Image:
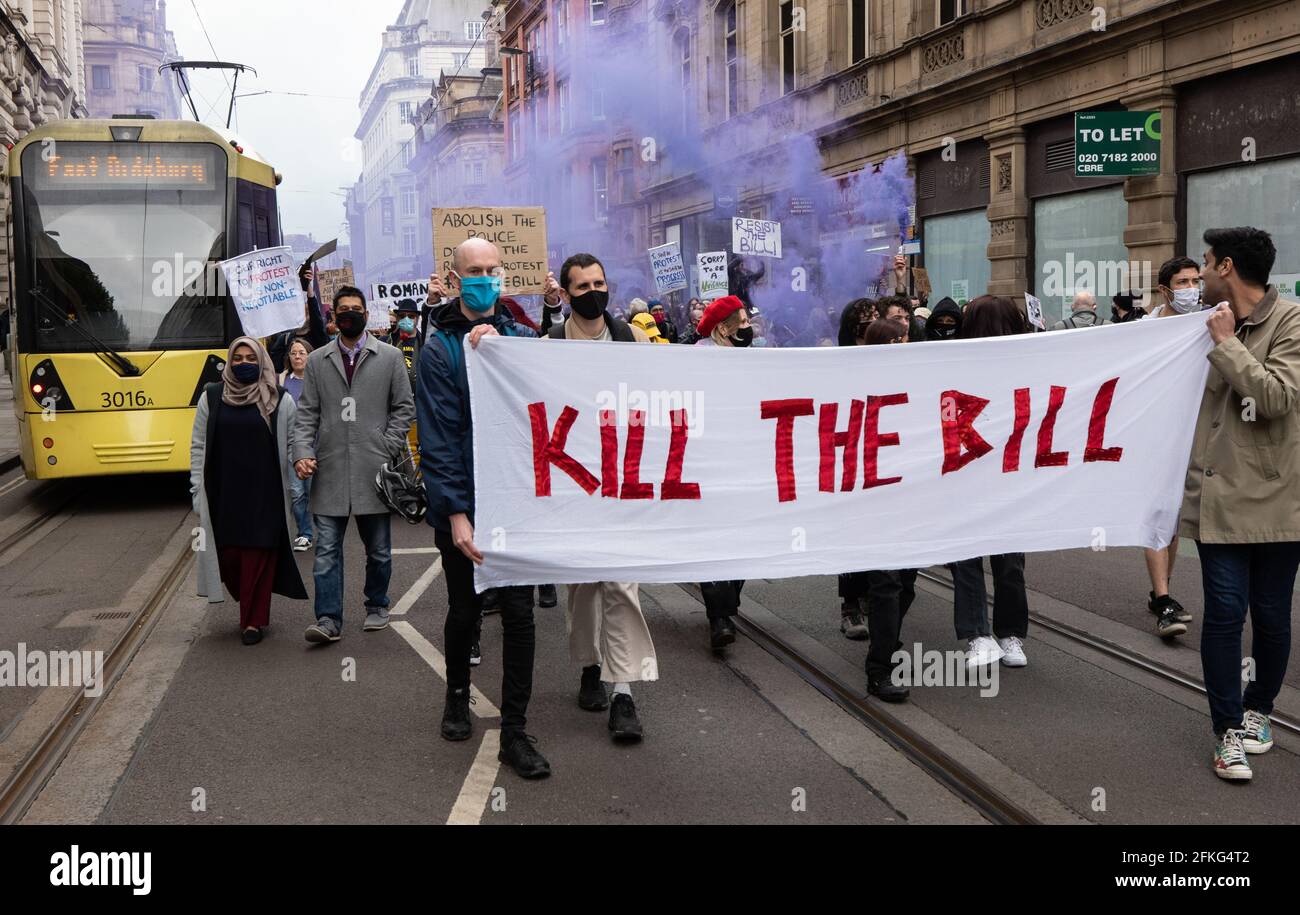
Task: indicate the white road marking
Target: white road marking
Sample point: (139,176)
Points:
(417,590)
(404,550)
(474,793)
(482,706)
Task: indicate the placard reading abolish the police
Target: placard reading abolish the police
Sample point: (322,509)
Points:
(518,232)
(669,271)
(755,237)
(766,463)
(264,286)
(713,274)
(385,296)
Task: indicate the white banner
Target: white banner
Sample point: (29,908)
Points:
(718,463)
(265,287)
(385,296)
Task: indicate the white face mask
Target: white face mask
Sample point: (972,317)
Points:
(1186,300)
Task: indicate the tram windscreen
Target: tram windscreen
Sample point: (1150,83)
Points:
(125,238)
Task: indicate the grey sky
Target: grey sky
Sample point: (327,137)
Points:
(326,49)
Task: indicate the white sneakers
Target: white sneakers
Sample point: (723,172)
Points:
(983,650)
(1013,652)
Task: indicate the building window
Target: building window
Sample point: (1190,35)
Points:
(387,223)
(597,12)
(1088,226)
(598,104)
(408,201)
(514,134)
(859,29)
(101,78)
(624,175)
(412,63)
(730,57)
(1260,194)
(146,78)
(561,22)
(956,255)
(404,111)
(683,42)
(600,187)
(562,103)
(789,64)
(409,241)
(478,173)
(473,29)
(950,10)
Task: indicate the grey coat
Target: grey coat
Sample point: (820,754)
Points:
(352,430)
(209,570)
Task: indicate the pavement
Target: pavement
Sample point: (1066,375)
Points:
(8,425)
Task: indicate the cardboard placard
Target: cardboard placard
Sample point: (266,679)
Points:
(518,232)
(921,277)
(385,296)
(669,271)
(713,274)
(755,237)
(264,286)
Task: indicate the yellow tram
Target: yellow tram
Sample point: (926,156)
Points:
(121,317)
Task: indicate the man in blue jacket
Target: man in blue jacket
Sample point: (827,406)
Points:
(447,466)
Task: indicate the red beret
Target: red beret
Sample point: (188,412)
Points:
(718,311)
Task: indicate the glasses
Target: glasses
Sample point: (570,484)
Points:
(493,272)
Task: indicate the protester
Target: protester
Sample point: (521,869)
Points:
(331,329)
(356,383)
(1178,286)
(694,311)
(240,482)
(854,321)
(992,316)
(291,381)
(407,338)
(886,330)
(314,330)
(637,307)
(608,635)
(1083,313)
(666,327)
(447,451)
(897,308)
(725,323)
(944,322)
(1241,501)
(648,326)
(1124,307)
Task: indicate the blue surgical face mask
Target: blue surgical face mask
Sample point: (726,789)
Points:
(406,325)
(480,293)
(246,372)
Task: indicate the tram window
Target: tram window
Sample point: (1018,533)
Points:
(246,241)
(125,238)
(263,231)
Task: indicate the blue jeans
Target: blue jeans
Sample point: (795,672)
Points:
(328,568)
(1237,576)
(300,491)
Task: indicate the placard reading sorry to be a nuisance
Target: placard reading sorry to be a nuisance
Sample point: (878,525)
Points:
(713,274)
(518,232)
(755,237)
(264,286)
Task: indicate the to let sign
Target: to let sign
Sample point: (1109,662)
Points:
(1111,144)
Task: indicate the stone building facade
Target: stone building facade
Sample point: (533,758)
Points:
(125,43)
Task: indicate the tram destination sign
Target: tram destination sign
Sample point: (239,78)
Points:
(95,171)
(1109,144)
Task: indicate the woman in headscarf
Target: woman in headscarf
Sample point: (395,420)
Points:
(240,478)
(725,323)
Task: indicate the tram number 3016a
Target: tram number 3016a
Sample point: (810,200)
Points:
(120,399)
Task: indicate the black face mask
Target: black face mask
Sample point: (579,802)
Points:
(742,337)
(590,305)
(350,323)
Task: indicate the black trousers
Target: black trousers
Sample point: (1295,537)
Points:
(721,598)
(853,586)
(518,639)
(970,599)
(889,596)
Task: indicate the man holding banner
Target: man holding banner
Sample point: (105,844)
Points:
(447,467)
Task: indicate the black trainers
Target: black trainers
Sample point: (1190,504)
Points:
(1168,626)
(591,693)
(721,633)
(518,753)
(547,596)
(624,726)
(1157,605)
(455,715)
(884,689)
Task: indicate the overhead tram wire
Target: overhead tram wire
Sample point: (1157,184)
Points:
(215,56)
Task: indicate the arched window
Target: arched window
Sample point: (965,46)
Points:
(682,44)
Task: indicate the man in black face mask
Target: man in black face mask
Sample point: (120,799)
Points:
(944,322)
(608,636)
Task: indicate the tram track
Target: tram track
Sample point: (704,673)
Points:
(1127,656)
(25,783)
(59,495)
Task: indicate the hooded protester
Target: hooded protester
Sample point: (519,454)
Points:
(240,480)
(992,316)
(854,321)
(945,320)
(1124,307)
